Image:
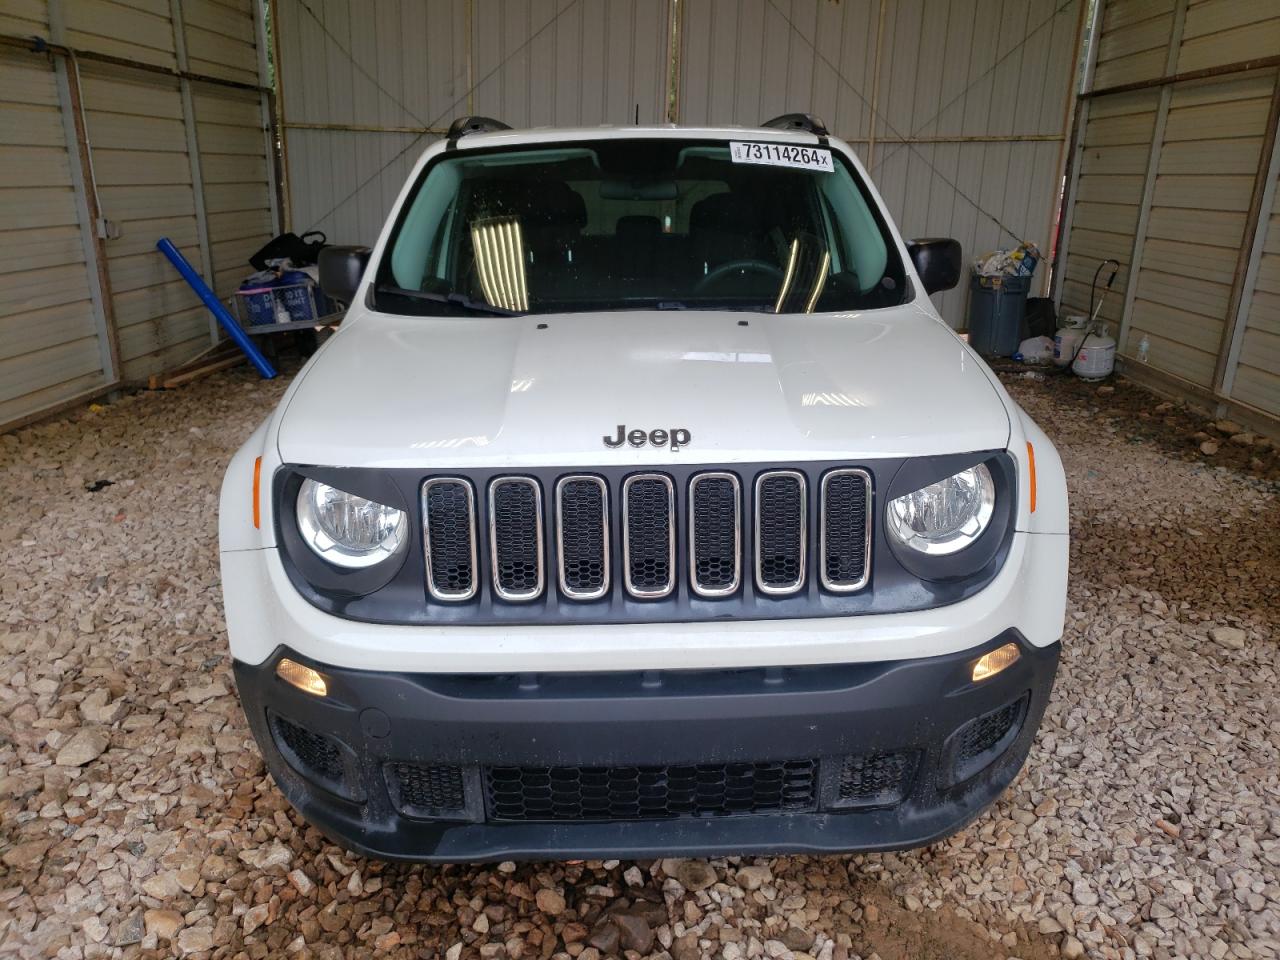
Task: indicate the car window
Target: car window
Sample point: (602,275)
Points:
(636,224)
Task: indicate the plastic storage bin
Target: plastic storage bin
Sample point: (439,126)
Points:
(997,309)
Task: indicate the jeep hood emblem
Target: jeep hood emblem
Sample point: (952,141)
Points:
(676,437)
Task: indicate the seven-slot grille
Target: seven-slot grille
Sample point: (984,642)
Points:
(714,525)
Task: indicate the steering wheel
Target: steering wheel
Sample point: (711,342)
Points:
(723,272)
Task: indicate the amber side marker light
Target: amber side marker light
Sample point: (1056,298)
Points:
(304,678)
(1031,474)
(998,659)
(257,485)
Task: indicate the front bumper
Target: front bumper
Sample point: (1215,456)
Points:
(467,767)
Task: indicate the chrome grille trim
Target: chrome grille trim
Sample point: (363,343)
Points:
(606,548)
(450,596)
(798,583)
(627,484)
(827,583)
(495,546)
(698,588)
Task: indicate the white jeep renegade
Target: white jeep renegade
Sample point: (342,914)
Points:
(643,505)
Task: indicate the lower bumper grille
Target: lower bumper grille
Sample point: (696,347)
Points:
(426,791)
(876,779)
(650,793)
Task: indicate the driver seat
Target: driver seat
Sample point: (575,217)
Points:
(724,228)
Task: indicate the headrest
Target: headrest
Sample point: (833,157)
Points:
(725,213)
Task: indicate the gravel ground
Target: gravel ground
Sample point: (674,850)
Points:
(136,819)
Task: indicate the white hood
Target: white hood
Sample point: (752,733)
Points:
(394,391)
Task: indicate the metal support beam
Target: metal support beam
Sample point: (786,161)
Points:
(266,109)
(1253,238)
(193,155)
(1149,182)
(67,79)
(1075,157)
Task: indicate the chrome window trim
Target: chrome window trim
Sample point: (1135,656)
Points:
(869,513)
(671,537)
(798,585)
(606,546)
(712,592)
(514,596)
(451,596)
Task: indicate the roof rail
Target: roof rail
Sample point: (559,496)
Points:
(464,125)
(798,121)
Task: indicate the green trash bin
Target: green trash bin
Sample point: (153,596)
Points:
(997,311)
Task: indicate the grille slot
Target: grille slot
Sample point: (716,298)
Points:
(515,537)
(715,534)
(876,779)
(449,526)
(426,791)
(648,535)
(319,755)
(582,532)
(985,734)
(844,531)
(651,792)
(781,534)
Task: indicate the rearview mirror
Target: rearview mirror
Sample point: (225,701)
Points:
(341,269)
(938,261)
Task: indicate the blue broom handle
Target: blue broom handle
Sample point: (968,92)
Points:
(228,322)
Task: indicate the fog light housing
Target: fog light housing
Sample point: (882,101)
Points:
(304,678)
(1000,658)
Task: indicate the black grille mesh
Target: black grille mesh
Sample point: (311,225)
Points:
(780,528)
(646,793)
(517,558)
(715,526)
(449,527)
(582,536)
(425,789)
(649,535)
(985,733)
(845,529)
(876,779)
(314,751)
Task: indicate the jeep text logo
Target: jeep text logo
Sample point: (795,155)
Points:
(677,438)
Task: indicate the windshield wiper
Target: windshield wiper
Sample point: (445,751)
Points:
(451,299)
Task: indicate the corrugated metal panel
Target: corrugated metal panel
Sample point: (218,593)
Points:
(49,348)
(1257,377)
(1197,217)
(139,30)
(365,89)
(1108,198)
(236,178)
(976,69)
(1228,31)
(220,39)
(1134,40)
(146,189)
(24,18)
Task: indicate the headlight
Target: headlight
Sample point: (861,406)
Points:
(347,530)
(946,516)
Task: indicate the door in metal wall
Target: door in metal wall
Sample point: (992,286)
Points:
(50,351)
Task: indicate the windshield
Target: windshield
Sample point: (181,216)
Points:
(639,224)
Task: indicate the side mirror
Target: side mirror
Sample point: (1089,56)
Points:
(341,269)
(937,260)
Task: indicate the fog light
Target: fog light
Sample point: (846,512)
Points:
(992,663)
(309,681)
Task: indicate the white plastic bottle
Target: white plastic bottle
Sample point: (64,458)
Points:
(1143,348)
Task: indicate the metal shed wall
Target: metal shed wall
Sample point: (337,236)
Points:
(365,88)
(1174,177)
(50,349)
(960,110)
(143,118)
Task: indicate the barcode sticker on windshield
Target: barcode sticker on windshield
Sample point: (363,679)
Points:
(782,155)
